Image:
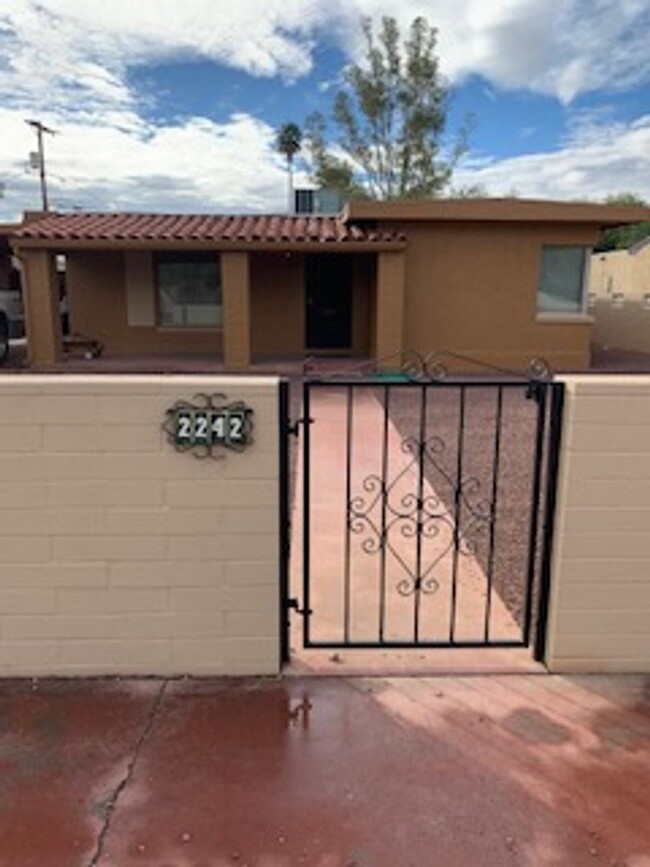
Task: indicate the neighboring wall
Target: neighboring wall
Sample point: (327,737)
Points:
(120,555)
(472,289)
(600,601)
(620,298)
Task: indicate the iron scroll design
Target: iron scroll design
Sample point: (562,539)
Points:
(210,404)
(425,517)
(430,367)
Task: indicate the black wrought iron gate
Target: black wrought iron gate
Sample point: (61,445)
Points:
(426,511)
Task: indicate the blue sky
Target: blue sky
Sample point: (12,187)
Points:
(170,106)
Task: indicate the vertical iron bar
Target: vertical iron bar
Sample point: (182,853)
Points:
(384,495)
(306,516)
(420,514)
(283,471)
(493,511)
(457,513)
(553,466)
(348,489)
(539,393)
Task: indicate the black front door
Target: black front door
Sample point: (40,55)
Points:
(328,288)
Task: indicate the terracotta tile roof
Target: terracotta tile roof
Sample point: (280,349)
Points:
(199,227)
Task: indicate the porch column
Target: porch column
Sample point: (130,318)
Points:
(390,309)
(41,306)
(235,287)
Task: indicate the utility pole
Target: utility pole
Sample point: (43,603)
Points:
(40,129)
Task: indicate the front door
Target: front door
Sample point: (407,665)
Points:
(328,288)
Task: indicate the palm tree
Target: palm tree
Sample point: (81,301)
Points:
(288,141)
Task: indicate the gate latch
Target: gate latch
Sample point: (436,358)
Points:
(293,428)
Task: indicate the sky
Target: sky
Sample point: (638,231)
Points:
(172,105)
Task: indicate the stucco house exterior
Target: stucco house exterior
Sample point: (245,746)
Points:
(499,280)
(619,295)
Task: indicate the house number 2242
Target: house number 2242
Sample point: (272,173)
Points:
(210,427)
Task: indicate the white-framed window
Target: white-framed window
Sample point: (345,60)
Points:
(562,280)
(189,290)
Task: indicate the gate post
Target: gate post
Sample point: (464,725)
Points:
(552,471)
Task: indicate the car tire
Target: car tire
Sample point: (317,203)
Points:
(4,338)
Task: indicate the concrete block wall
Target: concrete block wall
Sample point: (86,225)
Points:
(118,555)
(600,600)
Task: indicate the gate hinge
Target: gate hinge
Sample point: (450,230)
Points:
(535,390)
(295,605)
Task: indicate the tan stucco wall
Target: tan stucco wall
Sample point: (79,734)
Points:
(41,304)
(278,304)
(97,302)
(98,307)
(472,288)
(120,555)
(620,282)
(600,596)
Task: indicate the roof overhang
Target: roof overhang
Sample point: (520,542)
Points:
(64,244)
(495,210)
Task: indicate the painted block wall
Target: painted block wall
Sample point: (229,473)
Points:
(600,598)
(119,555)
(620,298)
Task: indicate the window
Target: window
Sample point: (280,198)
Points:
(189,290)
(562,280)
(304,201)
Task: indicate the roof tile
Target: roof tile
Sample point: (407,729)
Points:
(249,228)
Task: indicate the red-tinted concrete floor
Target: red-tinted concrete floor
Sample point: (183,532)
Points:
(488,771)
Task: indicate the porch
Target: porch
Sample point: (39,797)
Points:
(234,299)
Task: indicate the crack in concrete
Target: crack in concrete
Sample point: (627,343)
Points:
(111,801)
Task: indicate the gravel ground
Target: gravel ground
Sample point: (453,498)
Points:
(514,479)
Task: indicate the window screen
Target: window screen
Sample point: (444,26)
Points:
(561,285)
(189,291)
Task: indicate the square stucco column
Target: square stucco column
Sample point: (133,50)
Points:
(235,282)
(41,304)
(390,309)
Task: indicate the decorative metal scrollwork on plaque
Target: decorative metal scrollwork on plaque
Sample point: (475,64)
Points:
(208,425)
(383,511)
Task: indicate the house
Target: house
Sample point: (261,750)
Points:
(498,280)
(619,295)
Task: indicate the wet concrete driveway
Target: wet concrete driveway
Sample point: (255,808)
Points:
(486,770)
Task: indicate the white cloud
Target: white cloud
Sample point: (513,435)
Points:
(557,47)
(560,48)
(68,61)
(201,166)
(603,160)
(195,166)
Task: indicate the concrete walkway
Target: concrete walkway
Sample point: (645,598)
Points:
(497,771)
